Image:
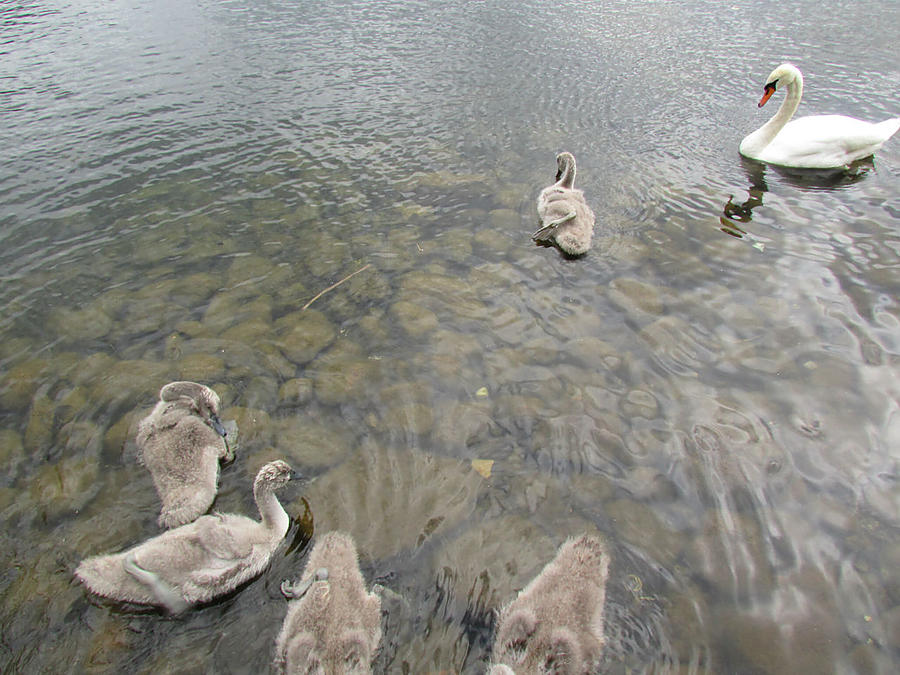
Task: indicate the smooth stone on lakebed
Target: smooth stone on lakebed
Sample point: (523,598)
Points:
(635,297)
(65,486)
(200,368)
(12,451)
(21,382)
(343,380)
(302,335)
(80,325)
(306,442)
(295,392)
(255,425)
(129,382)
(40,427)
(232,307)
(122,431)
(414,318)
(639,403)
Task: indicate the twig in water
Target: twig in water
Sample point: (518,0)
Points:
(335,285)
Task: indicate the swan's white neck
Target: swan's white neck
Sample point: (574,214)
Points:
(274,517)
(759,139)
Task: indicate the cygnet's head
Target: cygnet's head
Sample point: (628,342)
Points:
(202,400)
(274,474)
(782,76)
(564,160)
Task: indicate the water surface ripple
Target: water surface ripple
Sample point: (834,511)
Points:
(712,388)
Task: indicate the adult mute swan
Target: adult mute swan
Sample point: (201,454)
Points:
(181,442)
(814,142)
(332,625)
(565,217)
(199,561)
(555,624)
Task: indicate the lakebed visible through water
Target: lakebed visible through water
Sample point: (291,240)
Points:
(712,388)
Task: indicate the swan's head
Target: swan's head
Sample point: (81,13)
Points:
(782,76)
(564,162)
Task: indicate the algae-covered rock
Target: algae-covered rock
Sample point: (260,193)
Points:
(255,425)
(304,334)
(414,318)
(12,452)
(124,430)
(342,380)
(307,442)
(65,486)
(80,325)
(635,297)
(394,500)
(200,368)
(297,391)
(21,382)
(41,425)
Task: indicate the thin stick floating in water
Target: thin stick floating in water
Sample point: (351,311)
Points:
(335,285)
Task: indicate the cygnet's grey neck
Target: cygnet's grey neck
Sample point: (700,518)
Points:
(567,177)
(274,517)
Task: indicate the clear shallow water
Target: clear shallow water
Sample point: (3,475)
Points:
(177,183)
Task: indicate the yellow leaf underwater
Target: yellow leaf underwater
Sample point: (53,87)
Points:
(483,466)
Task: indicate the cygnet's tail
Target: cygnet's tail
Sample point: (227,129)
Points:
(105,575)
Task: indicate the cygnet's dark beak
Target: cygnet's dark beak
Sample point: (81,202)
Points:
(216,424)
(296,475)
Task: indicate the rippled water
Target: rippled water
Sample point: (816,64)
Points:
(712,388)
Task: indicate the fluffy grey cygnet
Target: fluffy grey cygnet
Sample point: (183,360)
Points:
(566,219)
(199,561)
(181,443)
(333,625)
(555,625)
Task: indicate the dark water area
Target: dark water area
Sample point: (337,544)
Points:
(712,389)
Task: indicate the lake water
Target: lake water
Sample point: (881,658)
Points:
(712,388)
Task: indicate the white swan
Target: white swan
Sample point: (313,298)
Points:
(555,624)
(565,216)
(815,142)
(181,442)
(199,561)
(333,625)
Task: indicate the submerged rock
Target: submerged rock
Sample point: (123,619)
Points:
(304,334)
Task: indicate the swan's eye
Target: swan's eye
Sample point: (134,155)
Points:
(772,85)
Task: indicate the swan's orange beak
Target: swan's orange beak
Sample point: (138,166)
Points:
(770,89)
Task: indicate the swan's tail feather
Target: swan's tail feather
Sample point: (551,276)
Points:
(889,127)
(106,576)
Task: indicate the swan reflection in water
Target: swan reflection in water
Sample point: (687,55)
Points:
(735,214)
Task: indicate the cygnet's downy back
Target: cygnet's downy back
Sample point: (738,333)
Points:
(181,443)
(566,219)
(333,625)
(555,625)
(199,561)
